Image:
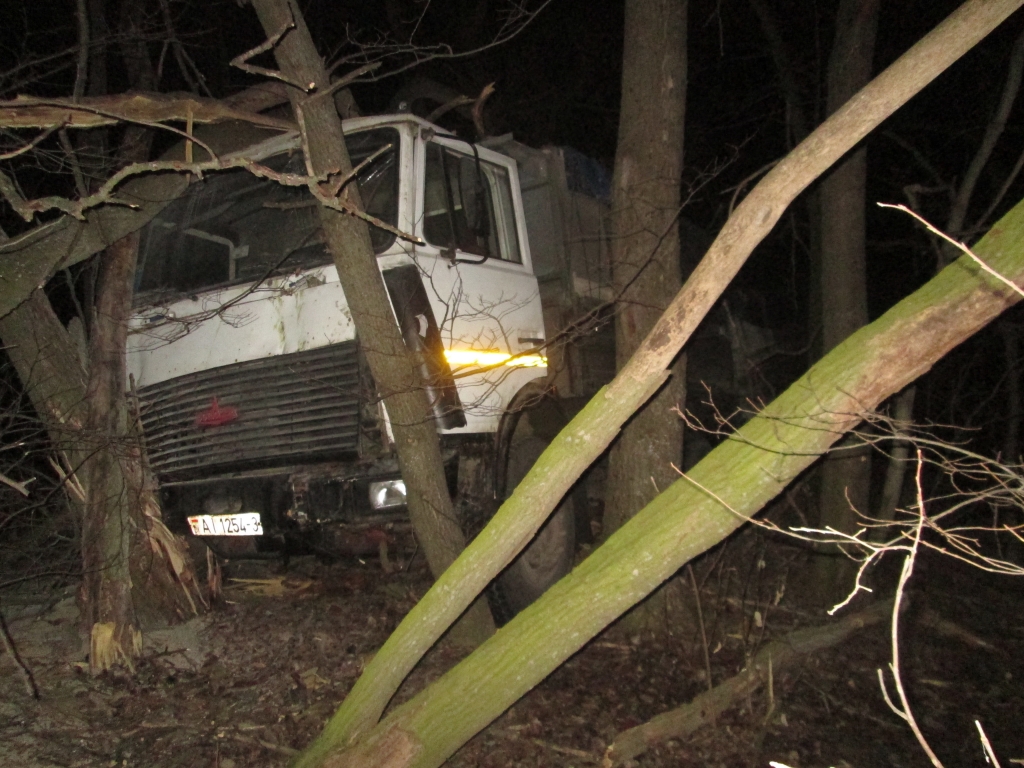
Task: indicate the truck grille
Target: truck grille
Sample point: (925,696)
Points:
(275,411)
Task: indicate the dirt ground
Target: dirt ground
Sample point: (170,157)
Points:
(255,680)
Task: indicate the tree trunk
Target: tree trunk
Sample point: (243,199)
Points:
(591,431)
(107,608)
(123,514)
(845,475)
(718,496)
(391,363)
(130,560)
(162,583)
(645,255)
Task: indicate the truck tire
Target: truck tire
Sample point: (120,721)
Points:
(548,557)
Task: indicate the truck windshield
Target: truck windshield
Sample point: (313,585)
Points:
(234,227)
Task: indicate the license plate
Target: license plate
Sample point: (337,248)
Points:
(244,524)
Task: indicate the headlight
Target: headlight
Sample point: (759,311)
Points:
(387,494)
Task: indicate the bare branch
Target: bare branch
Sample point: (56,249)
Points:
(478,110)
(346,80)
(77,208)
(144,108)
(185,64)
(986,745)
(957,244)
(30,145)
(241,60)
(908,568)
(21,488)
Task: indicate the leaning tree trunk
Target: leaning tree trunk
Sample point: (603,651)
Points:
(846,474)
(645,255)
(699,510)
(391,363)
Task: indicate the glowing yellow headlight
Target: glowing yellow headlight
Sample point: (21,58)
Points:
(489,359)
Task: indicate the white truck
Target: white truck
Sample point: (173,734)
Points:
(260,419)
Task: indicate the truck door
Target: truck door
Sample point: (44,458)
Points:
(476,269)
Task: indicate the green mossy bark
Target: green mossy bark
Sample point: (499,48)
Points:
(720,494)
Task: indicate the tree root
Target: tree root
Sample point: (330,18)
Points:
(705,708)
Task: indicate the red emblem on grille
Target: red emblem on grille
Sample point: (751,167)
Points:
(215,416)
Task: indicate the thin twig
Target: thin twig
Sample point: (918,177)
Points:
(69,478)
(30,145)
(955,242)
(908,568)
(990,754)
(21,488)
(76,167)
(342,82)
(700,621)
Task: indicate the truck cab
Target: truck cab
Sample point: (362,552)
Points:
(260,418)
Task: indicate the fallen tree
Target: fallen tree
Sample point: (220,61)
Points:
(700,509)
(593,429)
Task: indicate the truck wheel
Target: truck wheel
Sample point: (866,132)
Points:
(548,557)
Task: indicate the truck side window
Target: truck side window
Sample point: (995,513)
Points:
(234,227)
(467,205)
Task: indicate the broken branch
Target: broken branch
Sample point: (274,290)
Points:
(705,708)
(144,108)
(241,60)
(21,488)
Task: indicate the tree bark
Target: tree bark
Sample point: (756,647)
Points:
(591,431)
(391,363)
(108,612)
(645,245)
(846,474)
(645,255)
(718,496)
(50,370)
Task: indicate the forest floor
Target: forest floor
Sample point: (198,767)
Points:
(255,679)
